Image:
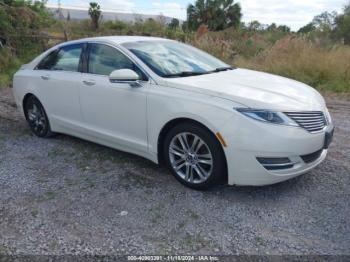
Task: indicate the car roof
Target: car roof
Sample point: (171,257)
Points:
(117,39)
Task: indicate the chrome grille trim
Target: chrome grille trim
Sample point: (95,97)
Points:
(276,163)
(313,121)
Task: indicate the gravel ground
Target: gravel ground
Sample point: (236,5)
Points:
(67,196)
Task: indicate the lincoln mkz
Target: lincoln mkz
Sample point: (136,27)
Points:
(171,103)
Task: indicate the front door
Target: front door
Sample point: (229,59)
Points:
(117,111)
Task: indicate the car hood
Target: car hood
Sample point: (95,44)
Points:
(254,89)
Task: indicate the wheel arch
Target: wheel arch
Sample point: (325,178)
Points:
(171,124)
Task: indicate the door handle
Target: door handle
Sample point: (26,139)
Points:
(45,77)
(89,82)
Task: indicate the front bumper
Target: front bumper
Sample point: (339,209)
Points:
(251,139)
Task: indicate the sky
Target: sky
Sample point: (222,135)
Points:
(294,13)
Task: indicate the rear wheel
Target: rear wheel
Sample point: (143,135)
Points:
(194,156)
(36,117)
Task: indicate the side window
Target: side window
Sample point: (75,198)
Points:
(48,61)
(65,59)
(104,59)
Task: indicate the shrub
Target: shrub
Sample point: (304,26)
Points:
(9,64)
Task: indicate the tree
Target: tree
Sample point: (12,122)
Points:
(283,28)
(23,18)
(310,27)
(272,27)
(95,14)
(342,22)
(174,23)
(255,26)
(322,25)
(68,16)
(325,22)
(216,14)
(184,26)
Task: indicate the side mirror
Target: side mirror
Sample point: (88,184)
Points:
(123,76)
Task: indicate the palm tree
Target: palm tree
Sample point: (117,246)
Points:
(95,14)
(216,14)
(175,23)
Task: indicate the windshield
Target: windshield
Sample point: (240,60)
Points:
(174,59)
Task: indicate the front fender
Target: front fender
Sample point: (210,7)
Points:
(166,104)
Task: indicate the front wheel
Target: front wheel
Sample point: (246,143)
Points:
(194,156)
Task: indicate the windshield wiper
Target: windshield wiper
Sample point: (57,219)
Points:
(225,68)
(191,73)
(185,73)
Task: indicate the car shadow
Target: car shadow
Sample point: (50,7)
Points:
(155,172)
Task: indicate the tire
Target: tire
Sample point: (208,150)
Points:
(36,117)
(200,164)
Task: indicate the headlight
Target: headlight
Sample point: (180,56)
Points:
(267,116)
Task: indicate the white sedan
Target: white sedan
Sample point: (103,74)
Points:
(171,103)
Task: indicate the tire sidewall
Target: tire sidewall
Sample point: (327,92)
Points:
(33,100)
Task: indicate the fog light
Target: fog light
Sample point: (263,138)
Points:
(275,163)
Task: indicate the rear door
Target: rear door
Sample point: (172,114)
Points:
(58,79)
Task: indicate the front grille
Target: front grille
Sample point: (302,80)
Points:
(312,121)
(312,157)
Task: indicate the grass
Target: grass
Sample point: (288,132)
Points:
(34,213)
(47,196)
(50,195)
(9,64)
(4,250)
(193,215)
(196,242)
(157,214)
(326,69)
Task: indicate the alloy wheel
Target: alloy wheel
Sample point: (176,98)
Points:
(37,119)
(190,157)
